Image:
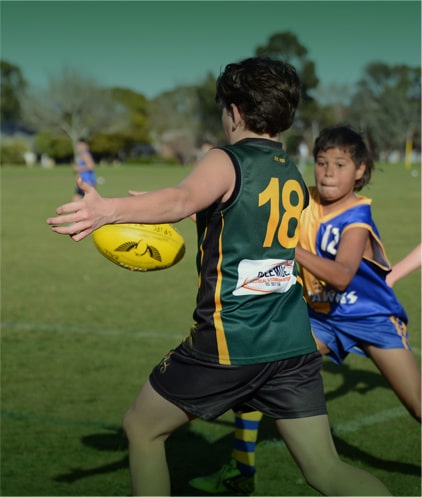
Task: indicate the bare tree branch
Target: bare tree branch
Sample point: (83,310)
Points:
(74,105)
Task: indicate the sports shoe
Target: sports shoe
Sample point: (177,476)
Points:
(227,480)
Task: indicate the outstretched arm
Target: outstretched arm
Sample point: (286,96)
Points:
(405,266)
(212,179)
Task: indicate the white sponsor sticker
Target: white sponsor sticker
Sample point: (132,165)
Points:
(264,276)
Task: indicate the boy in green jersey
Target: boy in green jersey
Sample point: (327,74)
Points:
(251,346)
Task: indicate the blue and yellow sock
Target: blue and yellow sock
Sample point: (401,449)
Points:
(245,438)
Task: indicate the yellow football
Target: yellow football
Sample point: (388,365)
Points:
(140,247)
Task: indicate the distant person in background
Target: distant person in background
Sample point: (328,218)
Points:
(409,263)
(84,167)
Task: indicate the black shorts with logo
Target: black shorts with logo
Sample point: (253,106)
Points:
(285,389)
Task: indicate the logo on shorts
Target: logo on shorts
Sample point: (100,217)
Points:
(164,364)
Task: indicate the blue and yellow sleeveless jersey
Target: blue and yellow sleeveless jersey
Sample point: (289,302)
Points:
(87,175)
(368,293)
(250,306)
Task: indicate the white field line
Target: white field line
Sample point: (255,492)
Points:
(346,427)
(103,331)
(79,329)
(351,426)
(373,419)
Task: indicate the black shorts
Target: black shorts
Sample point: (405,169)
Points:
(286,389)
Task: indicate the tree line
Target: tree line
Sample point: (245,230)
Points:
(122,124)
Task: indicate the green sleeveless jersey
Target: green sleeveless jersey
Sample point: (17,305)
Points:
(250,306)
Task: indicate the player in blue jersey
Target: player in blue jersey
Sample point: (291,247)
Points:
(344,268)
(351,306)
(84,167)
(251,346)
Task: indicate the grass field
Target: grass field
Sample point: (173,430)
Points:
(80,335)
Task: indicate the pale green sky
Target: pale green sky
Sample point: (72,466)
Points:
(152,46)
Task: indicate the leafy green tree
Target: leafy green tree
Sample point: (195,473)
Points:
(137,107)
(174,109)
(12,85)
(209,111)
(333,103)
(111,146)
(174,120)
(53,145)
(387,106)
(120,144)
(286,46)
(12,151)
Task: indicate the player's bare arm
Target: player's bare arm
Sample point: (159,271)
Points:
(211,180)
(409,263)
(354,244)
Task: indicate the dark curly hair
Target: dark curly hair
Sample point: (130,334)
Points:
(266,92)
(345,138)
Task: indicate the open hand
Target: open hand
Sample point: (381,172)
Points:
(79,219)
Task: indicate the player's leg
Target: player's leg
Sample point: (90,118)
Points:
(238,475)
(306,431)
(400,369)
(322,347)
(241,470)
(310,442)
(245,438)
(148,423)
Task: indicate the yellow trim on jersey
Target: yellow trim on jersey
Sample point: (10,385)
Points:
(223,351)
(309,224)
(401,331)
(299,280)
(201,250)
(323,218)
